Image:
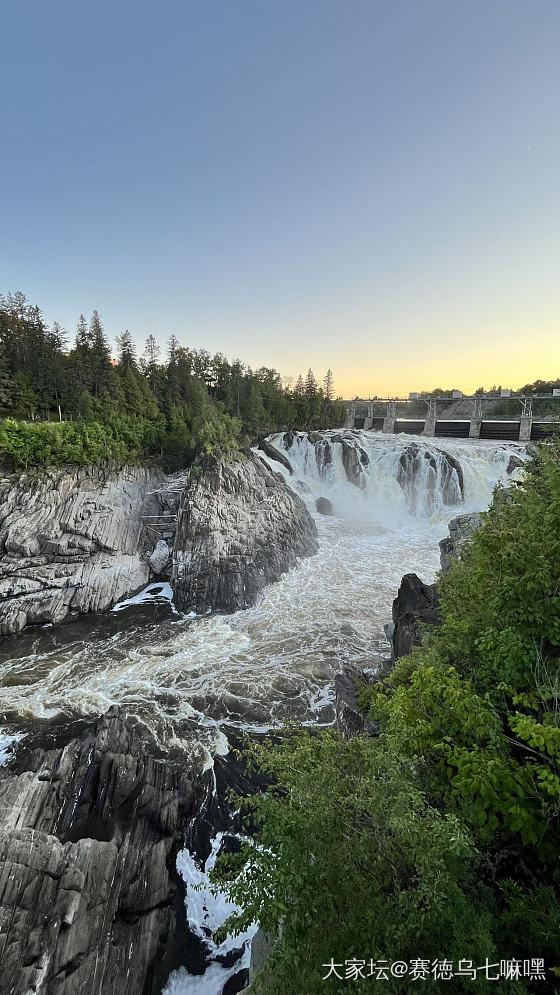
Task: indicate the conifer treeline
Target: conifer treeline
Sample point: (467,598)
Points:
(192,400)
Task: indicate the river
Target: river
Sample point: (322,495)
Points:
(188,680)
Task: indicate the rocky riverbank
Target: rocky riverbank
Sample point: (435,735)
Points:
(88,838)
(79,540)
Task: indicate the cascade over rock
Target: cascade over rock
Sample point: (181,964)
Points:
(432,471)
(88,837)
(274,454)
(73,541)
(240,527)
(416,604)
(354,458)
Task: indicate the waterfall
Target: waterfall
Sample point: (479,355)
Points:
(396,474)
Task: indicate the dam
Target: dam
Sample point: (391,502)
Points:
(525,427)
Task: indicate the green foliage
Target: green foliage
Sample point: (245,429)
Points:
(198,403)
(352,860)
(443,834)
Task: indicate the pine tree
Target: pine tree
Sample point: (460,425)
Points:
(126,351)
(329,385)
(310,384)
(299,389)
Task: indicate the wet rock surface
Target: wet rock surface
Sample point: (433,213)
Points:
(73,541)
(323,506)
(415,606)
(88,889)
(423,472)
(274,454)
(460,530)
(240,528)
(354,458)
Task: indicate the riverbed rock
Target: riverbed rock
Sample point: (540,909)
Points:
(74,540)
(514,464)
(88,838)
(354,458)
(240,527)
(415,606)
(461,529)
(160,557)
(275,454)
(323,506)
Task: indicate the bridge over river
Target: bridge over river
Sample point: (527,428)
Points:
(522,428)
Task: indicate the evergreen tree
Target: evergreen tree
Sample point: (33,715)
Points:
(126,351)
(310,385)
(329,386)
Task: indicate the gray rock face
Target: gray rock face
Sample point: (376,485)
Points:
(350,719)
(460,530)
(354,458)
(73,540)
(88,835)
(274,454)
(240,527)
(323,506)
(160,556)
(416,604)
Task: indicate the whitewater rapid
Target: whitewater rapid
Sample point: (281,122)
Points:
(188,679)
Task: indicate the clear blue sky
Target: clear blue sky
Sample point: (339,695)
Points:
(370,186)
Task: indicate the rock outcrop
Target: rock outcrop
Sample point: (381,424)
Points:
(274,454)
(351,720)
(354,458)
(240,527)
(73,541)
(415,606)
(323,506)
(88,838)
(460,530)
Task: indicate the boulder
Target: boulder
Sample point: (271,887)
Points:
(323,506)
(240,528)
(88,837)
(416,605)
(514,464)
(160,557)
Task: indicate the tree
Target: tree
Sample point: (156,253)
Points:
(310,385)
(329,385)
(126,352)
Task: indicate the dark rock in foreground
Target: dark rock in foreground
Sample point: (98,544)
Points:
(240,528)
(88,837)
(416,604)
(351,720)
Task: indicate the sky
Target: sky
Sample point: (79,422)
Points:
(371,186)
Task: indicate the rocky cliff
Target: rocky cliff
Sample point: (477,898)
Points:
(240,527)
(415,606)
(88,837)
(73,541)
(460,530)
